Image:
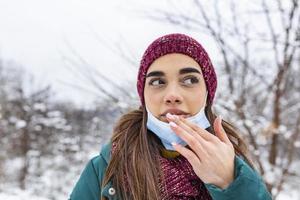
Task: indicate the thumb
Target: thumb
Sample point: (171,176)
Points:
(219,130)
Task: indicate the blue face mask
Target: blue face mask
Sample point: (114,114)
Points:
(166,134)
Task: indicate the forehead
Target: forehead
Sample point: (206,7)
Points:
(173,62)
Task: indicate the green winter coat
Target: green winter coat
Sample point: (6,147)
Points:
(247,184)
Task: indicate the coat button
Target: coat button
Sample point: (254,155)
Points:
(111,191)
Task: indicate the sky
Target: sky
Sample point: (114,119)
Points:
(39,35)
(42,35)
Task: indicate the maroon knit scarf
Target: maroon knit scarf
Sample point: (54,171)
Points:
(180,180)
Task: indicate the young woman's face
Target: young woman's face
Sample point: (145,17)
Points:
(175,84)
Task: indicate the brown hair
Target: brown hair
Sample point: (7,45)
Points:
(134,168)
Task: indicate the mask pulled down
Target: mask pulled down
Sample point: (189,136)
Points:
(166,134)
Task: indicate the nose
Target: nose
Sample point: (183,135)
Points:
(173,96)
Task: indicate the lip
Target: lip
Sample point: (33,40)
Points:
(175,112)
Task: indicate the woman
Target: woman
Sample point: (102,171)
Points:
(173,146)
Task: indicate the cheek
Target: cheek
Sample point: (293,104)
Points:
(153,102)
(196,101)
(152,98)
(147,95)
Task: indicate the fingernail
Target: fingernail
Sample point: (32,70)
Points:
(174,143)
(170,116)
(173,124)
(220,116)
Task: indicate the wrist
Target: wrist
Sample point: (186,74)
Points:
(225,183)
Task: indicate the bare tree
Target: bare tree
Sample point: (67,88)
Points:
(28,124)
(91,79)
(259,43)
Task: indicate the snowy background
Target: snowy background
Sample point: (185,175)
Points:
(66,68)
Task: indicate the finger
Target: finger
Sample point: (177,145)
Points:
(193,143)
(204,133)
(180,122)
(219,130)
(193,159)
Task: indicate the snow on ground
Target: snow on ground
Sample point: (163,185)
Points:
(292,195)
(25,195)
(20,195)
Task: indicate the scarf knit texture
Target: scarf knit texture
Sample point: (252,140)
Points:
(180,180)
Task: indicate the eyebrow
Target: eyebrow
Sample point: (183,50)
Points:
(181,71)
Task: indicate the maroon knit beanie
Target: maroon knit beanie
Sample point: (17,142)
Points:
(177,43)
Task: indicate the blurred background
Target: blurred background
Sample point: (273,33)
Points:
(68,72)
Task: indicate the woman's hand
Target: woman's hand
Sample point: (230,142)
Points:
(212,157)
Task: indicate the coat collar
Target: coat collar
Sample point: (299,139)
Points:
(105,152)
(108,190)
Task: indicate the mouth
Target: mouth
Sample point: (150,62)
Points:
(165,119)
(176,112)
(184,116)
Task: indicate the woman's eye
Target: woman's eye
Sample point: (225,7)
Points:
(191,80)
(156,82)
